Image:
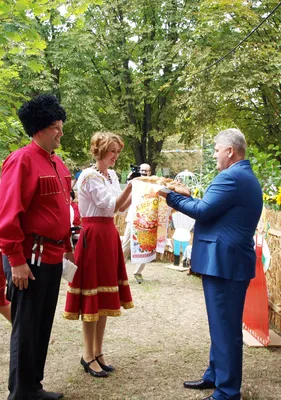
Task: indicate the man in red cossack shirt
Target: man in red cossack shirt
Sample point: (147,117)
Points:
(34,236)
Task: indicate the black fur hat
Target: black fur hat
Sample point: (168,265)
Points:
(40,112)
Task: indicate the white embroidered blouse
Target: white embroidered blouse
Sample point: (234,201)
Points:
(96,195)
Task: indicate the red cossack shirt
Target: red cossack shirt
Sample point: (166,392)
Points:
(34,199)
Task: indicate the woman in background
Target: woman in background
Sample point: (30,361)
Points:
(100,285)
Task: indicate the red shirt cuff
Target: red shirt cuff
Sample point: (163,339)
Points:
(16,259)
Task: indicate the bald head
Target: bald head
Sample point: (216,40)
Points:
(145,170)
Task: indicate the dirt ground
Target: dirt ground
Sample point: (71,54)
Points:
(157,345)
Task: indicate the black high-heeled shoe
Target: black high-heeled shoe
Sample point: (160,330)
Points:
(107,368)
(86,366)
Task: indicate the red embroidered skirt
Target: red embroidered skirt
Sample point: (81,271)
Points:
(100,285)
(3,300)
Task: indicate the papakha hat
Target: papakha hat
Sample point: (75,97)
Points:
(40,112)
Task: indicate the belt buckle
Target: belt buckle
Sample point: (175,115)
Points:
(60,242)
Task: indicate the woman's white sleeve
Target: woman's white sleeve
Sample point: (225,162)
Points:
(99,193)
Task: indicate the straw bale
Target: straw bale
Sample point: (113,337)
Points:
(274,218)
(273,275)
(120,223)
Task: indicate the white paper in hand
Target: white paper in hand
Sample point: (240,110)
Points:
(68,270)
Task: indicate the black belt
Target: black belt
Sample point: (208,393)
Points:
(38,239)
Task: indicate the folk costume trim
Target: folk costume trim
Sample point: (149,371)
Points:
(89,292)
(47,194)
(53,184)
(108,177)
(126,306)
(108,289)
(93,292)
(91,176)
(92,317)
(73,290)
(101,313)
(49,185)
(123,283)
(71,316)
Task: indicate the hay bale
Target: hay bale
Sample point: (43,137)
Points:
(120,223)
(273,275)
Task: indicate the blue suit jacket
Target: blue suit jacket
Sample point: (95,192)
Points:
(226,219)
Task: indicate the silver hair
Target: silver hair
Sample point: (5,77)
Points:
(231,137)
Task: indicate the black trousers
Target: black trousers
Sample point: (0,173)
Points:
(32,312)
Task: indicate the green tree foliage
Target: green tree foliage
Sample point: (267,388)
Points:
(28,30)
(124,72)
(18,36)
(244,89)
(133,67)
(267,168)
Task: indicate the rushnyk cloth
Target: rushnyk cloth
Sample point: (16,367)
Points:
(150,219)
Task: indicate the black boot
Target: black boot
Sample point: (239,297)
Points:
(176,260)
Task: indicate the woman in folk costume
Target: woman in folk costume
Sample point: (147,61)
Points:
(100,285)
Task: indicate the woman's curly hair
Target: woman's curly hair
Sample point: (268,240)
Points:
(100,142)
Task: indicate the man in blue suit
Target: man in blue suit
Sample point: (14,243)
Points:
(223,252)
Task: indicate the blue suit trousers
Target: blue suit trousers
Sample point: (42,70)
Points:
(225,302)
